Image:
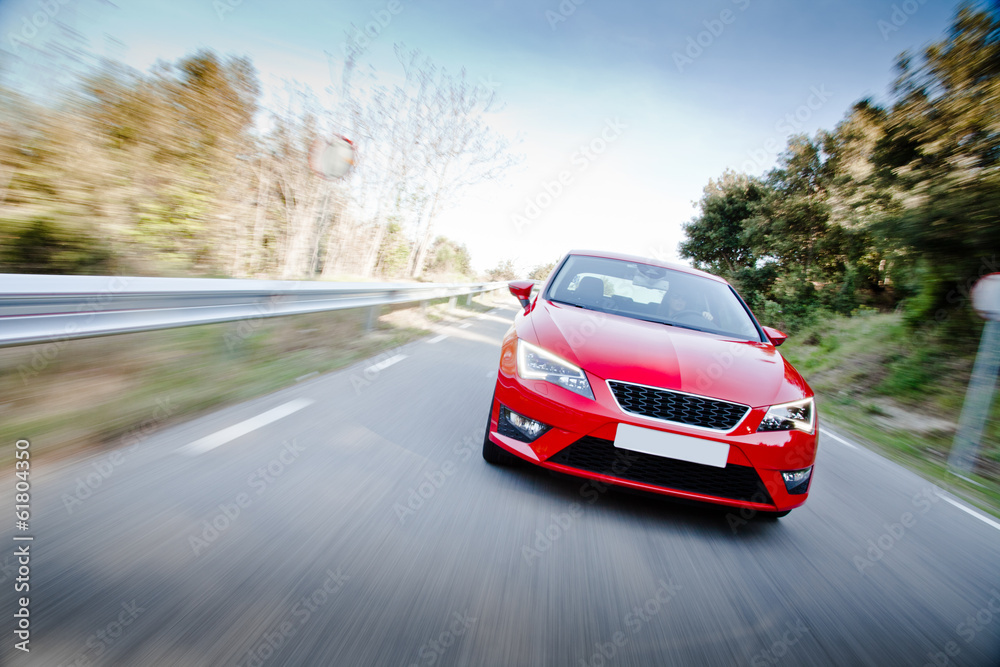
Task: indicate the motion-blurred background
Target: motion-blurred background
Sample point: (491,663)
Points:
(841,161)
(838,162)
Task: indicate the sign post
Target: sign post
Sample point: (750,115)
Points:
(979,396)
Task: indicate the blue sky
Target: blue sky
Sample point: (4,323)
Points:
(689,89)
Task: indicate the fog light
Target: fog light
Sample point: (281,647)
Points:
(797,481)
(529,427)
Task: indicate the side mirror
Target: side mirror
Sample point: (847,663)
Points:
(775,336)
(521,289)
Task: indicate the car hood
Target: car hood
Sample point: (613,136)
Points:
(622,348)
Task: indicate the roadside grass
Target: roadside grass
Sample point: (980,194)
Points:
(111,391)
(898,397)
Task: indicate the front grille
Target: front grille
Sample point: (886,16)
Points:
(676,407)
(601,456)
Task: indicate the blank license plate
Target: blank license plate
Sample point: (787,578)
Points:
(671,445)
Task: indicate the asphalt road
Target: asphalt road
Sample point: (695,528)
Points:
(353,521)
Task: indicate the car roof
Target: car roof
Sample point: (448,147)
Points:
(647,260)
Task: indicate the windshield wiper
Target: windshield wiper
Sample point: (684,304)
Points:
(567,303)
(678,324)
(645,319)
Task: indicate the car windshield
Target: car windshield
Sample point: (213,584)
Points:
(653,294)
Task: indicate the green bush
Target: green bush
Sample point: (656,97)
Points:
(43,246)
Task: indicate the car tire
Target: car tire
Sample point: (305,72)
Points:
(774,516)
(494,453)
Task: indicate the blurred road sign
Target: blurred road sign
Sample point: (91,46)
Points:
(986,297)
(332,158)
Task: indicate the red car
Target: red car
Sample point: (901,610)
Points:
(653,376)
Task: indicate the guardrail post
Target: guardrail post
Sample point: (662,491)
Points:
(373,314)
(978,399)
(979,396)
(452,302)
(423,308)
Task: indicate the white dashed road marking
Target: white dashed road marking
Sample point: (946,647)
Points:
(838,438)
(382,365)
(969,510)
(218,438)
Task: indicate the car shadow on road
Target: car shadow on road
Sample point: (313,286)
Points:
(656,510)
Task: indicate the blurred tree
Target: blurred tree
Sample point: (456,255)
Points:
(180,170)
(304,203)
(891,202)
(41,246)
(456,146)
(720,240)
(164,171)
(49,185)
(448,258)
(503,271)
(859,204)
(424,141)
(793,226)
(940,156)
(804,235)
(394,253)
(542,271)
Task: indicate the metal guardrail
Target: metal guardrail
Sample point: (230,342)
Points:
(43,308)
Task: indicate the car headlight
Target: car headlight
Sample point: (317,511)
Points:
(797,415)
(534,363)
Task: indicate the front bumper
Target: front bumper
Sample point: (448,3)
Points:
(580,442)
